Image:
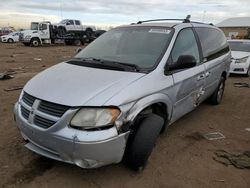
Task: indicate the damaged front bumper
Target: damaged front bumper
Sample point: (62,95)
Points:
(87,149)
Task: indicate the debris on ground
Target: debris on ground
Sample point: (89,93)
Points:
(219,180)
(247,129)
(240,84)
(195,136)
(214,136)
(37,59)
(13,88)
(240,160)
(66,56)
(11,61)
(6,75)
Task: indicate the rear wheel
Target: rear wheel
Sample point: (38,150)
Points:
(10,41)
(61,31)
(142,141)
(35,42)
(77,42)
(216,97)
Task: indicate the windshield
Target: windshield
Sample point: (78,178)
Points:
(63,22)
(240,46)
(140,46)
(34,26)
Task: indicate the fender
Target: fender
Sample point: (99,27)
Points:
(147,101)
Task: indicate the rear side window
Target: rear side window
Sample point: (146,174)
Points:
(213,42)
(77,22)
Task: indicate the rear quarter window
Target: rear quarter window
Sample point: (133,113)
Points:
(213,42)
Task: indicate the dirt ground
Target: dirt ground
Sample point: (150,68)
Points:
(178,160)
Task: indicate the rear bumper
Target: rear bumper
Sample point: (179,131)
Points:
(87,149)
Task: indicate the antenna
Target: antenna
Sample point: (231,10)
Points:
(187,19)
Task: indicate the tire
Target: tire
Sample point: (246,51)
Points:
(142,141)
(248,72)
(10,41)
(216,97)
(35,42)
(61,31)
(77,43)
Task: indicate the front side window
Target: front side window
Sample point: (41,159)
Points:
(185,44)
(140,46)
(70,22)
(43,26)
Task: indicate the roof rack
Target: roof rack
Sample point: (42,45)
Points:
(186,20)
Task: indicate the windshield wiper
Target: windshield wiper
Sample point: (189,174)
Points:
(124,66)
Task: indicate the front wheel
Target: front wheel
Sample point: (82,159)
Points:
(216,97)
(142,141)
(35,42)
(10,41)
(248,72)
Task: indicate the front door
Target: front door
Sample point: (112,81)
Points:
(188,83)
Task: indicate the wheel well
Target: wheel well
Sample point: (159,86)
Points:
(89,29)
(159,109)
(224,74)
(35,38)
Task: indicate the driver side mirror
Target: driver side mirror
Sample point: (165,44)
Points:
(183,62)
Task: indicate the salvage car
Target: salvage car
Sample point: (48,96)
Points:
(240,57)
(11,37)
(113,99)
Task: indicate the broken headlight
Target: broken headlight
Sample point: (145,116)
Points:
(89,118)
(242,60)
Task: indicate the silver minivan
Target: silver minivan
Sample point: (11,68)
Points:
(113,99)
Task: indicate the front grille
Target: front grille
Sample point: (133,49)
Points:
(42,122)
(239,69)
(49,109)
(28,99)
(52,109)
(25,113)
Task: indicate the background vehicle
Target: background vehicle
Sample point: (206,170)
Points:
(67,25)
(46,33)
(4,31)
(121,91)
(240,57)
(11,37)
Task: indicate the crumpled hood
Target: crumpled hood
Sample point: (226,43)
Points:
(239,54)
(74,85)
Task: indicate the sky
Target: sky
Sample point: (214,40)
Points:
(106,13)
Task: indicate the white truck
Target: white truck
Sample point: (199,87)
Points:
(68,31)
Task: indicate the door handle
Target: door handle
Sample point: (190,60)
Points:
(201,77)
(207,74)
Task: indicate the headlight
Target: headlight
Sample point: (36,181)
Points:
(89,118)
(28,36)
(243,60)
